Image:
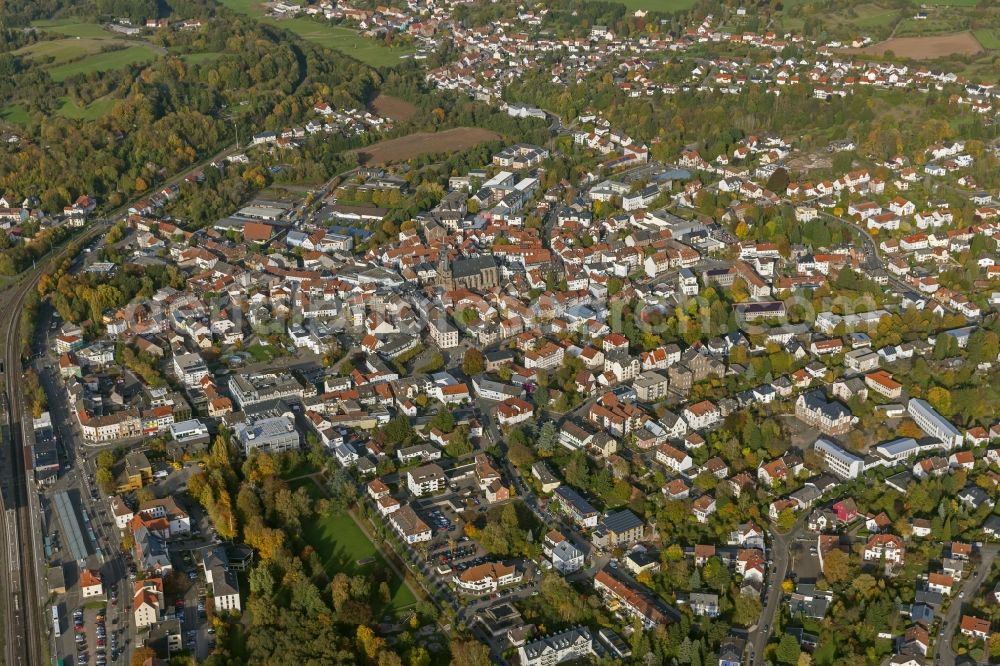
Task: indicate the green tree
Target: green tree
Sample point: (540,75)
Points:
(548,439)
(788,651)
(746,610)
(444,420)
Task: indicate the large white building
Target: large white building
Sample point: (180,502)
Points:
(274,434)
(190,369)
(442,332)
(426,479)
(409,526)
(564,556)
(487,577)
(569,645)
(933,423)
(842,463)
(225,588)
(254,388)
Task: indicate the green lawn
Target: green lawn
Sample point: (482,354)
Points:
(345,40)
(342,544)
(934,25)
(265,352)
(946,3)
(96,109)
(73,28)
(16,113)
(302,469)
(103,62)
(989,38)
(339,38)
(242,6)
(657,5)
(876,19)
(82,50)
(308,484)
(59,51)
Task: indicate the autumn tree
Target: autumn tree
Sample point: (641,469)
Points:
(469,653)
(143,654)
(473,362)
(940,399)
(836,566)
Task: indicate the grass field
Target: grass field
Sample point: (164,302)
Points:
(989,38)
(73,28)
(242,6)
(264,352)
(103,62)
(875,17)
(15,113)
(341,544)
(657,5)
(345,40)
(82,50)
(946,3)
(338,38)
(59,51)
(96,109)
(934,25)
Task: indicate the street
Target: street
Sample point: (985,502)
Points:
(943,652)
(781,545)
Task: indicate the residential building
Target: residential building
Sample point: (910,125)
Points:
(570,645)
(487,577)
(426,480)
(409,526)
(564,556)
(887,547)
(582,512)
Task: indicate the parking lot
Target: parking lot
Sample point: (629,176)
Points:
(97,642)
(438,521)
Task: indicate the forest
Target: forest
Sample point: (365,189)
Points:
(170,114)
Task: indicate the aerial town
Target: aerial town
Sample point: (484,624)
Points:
(671,340)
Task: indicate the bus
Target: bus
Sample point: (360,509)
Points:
(55,621)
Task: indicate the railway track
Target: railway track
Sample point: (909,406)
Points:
(24,631)
(24,645)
